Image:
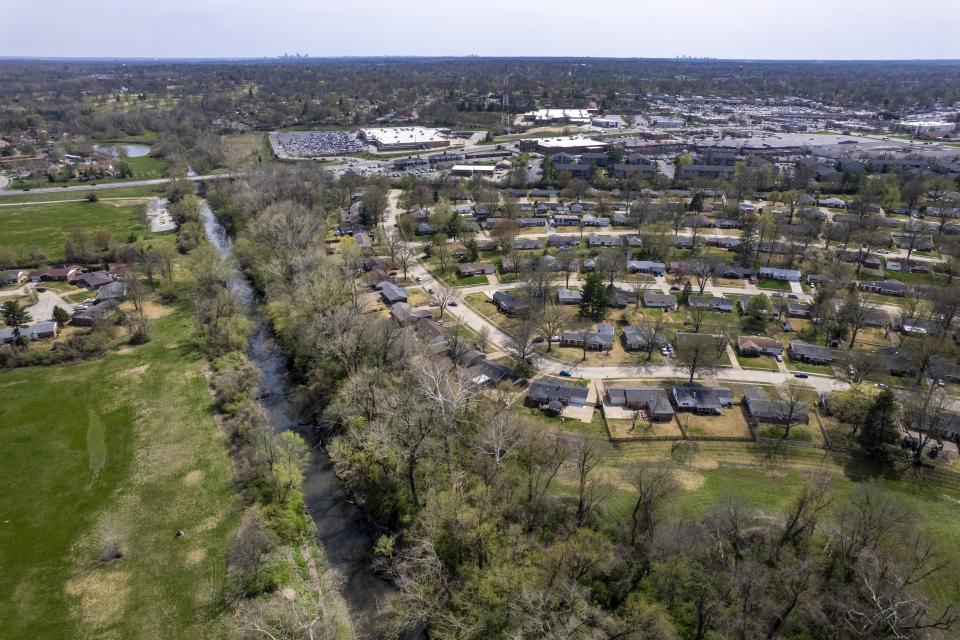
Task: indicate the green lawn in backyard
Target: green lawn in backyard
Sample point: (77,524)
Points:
(122,446)
(47,226)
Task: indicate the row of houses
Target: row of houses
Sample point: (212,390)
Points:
(657,405)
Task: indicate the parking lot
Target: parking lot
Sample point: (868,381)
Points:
(315,144)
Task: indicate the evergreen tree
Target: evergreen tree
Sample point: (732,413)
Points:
(685,295)
(61,315)
(594,298)
(880,429)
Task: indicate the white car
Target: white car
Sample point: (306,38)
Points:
(79,307)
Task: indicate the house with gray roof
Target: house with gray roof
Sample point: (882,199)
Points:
(786,275)
(717,304)
(762,408)
(568,296)
(654,300)
(652,401)
(554,395)
(391,293)
(800,351)
(646,266)
(702,400)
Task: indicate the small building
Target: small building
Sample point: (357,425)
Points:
(653,300)
(563,242)
(884,287)
(763,408)
(759,346)
(93,280)
(41,330)
(595,240)
(392,293)
(115,290)
(598,340)
(527,244)
(94,314)
(568,296)
(635,338)
(508,303)
(702,400)
(717,304)
(651,401)
(646,266)
(468,269)
(13,276)
(800,351)
(797,309)
(785,275)
(554,396)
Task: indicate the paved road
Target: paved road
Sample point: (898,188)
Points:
(117,185)
(46,301)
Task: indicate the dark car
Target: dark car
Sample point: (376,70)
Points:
(800,375)
(565,374)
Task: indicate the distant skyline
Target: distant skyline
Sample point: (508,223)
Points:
(738,29)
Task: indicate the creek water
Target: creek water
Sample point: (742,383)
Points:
(132,150)
(345,534)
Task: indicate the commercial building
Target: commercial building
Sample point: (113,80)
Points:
(405,138)
(562,144)
(555,116)
(927,128)
(472,169)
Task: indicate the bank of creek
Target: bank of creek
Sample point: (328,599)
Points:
(345,535)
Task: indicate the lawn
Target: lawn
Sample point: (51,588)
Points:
(761,362)
(47,226)
(143,168)
(105,194)
(770,283)
(124,446)
(821,369)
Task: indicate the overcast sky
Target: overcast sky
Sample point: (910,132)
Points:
(772,29)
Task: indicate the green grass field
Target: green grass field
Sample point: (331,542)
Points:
(47,226)
(143,168)
(7,197)
(123,446)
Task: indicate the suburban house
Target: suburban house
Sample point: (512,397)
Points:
(702,400)
(508,303)
(392,293)
(88,317)
(718,304)
(568,296)
(424,229)
(527,244)
(531,222)
(599,340)
(475,269)
(898,362)
(40,330)
(787,275)
(405,315)
(801,351)
(371,263)
(565,220)
(563,242)
(759,346)
(487,372)
(797,309)
(55,273)
(13,276)
(646,266)
(654,403)
(93,280)
(114,291)
(554,396)
(593,221)
(884,287)
(653,300)
(743,304)
(638,337)
(596,240)
(763,408)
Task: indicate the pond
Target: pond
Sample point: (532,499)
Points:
(132,150)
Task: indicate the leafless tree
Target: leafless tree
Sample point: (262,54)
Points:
(568,265)
(443,296)
(655,486)
(405,259)
(590,493)
(924,414)
(520,342)
(499,435)
(703,271)
(803,515)
(551,322)
(482,340)
(790,410)
(700,354)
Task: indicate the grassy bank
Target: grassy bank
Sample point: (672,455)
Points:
(118,451)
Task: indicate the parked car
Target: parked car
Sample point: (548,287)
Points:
(80,307)
(565,374)
(41,289)
(778,358)
(800,375)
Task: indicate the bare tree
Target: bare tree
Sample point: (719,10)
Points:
(520,343)
(924,414)
(589,493)
(790,410)
(700,354)
(567,265)
(499,435)
(443,296)
(703,271)
(482,341)
(551,322)
(655,485)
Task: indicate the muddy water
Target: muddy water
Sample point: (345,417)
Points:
(345,535)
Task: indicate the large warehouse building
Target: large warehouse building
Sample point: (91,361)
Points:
(565,144)
(927,128)
(405,138)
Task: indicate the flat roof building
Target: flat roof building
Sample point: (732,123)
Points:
(402,138)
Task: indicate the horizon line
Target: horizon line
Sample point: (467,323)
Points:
(296,57)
